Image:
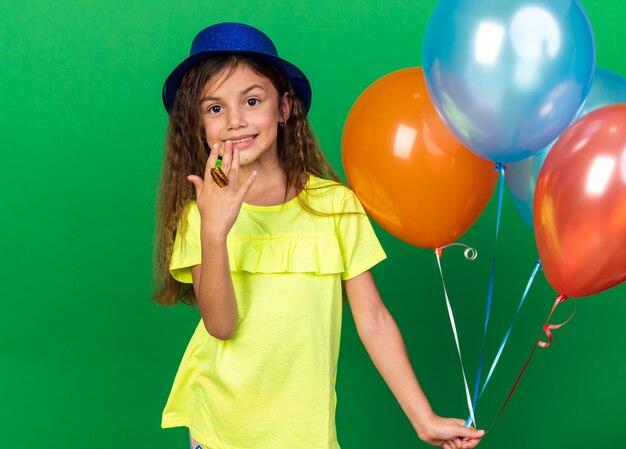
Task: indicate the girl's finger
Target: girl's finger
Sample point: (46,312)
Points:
(211,161)
(243,190)
(471,443)
(196,181)
(458,444)
(215,152)
(227,157)
(234,167)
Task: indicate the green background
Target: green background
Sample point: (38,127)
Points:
(86,359)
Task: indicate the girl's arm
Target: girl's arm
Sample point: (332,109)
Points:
(382,340)
(214,289)
(219,208)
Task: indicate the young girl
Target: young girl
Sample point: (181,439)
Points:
(256,230)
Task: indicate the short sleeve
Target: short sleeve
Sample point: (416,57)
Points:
(360,248)
(186,252)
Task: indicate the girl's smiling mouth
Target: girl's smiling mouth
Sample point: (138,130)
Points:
(242,141)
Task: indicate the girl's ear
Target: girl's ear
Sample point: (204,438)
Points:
(285,106)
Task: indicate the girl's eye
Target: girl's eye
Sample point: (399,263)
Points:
(215,109)
(252,101)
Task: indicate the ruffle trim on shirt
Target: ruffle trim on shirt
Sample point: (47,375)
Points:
(315,254)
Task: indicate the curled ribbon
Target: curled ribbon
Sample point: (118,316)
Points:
(547,330)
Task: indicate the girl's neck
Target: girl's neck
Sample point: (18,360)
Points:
(268,188)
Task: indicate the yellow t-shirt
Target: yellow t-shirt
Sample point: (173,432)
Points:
(272,386)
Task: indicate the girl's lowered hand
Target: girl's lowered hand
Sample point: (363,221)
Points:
(220,206)
(450,433)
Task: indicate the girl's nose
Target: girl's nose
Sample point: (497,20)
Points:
(236,119)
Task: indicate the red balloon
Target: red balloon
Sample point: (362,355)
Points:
(412,175)
(580,205)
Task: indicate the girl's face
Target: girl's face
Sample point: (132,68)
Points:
(243,108)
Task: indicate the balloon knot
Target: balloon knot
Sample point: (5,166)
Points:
(561,298)
(499,166)
(439,252)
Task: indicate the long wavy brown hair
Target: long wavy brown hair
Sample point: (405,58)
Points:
(185,154)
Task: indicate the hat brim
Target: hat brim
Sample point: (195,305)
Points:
(298,80)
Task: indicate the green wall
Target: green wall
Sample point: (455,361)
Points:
(86,359)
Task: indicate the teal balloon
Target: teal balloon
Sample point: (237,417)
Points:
(607,88)
(508,76)
(521,177)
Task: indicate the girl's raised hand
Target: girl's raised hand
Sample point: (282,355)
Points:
(220,206)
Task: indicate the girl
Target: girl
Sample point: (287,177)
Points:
(255,229)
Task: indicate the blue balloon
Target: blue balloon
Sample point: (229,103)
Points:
(508,76)
(521,177)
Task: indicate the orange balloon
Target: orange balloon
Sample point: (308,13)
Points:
(580,205)
(412,175)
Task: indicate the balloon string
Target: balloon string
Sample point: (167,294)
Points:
(508,332)
(500,167)
(470,254)
(546,329)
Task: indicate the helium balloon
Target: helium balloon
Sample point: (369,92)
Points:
(607,88)
(412,175)
(580,205)
(509,76)
(521,177)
